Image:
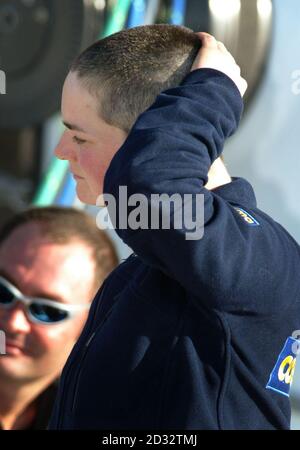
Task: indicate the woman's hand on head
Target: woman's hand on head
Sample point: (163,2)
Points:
(214,55)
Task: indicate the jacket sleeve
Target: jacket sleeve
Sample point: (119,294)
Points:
(233,267)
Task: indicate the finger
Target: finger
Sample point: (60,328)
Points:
(208,40)
(221,46)
(202,33)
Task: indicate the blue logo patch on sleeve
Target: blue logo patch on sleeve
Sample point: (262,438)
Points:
(247,217)
(282,375)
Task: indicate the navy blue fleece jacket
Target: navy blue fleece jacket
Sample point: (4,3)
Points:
(185,333)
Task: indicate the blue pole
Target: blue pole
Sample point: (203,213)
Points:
(136,15)
(67,195)
(178,12)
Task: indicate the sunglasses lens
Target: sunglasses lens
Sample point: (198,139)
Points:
(6,297)
(47,314)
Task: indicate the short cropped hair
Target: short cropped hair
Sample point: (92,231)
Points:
(127,70)
(63,225)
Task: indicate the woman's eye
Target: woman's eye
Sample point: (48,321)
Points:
(78,140)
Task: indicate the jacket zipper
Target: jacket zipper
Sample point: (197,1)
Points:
(86,345)
(67,375)
(84,353)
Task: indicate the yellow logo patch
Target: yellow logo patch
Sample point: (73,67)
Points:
(247,217)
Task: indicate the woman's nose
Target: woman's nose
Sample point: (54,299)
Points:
(66,148)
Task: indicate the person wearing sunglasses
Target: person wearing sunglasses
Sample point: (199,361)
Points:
(38,310)
(44,302)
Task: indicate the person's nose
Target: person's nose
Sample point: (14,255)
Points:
(66,148)
(16,321)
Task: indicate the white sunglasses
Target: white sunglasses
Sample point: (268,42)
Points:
(39,310)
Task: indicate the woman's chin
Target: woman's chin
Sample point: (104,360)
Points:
(85,195)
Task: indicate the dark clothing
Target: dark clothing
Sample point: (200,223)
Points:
(44,406)
(185,333)
(45,403)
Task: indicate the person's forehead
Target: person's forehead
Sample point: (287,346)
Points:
(78,106)
(22,235)
(29,239)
